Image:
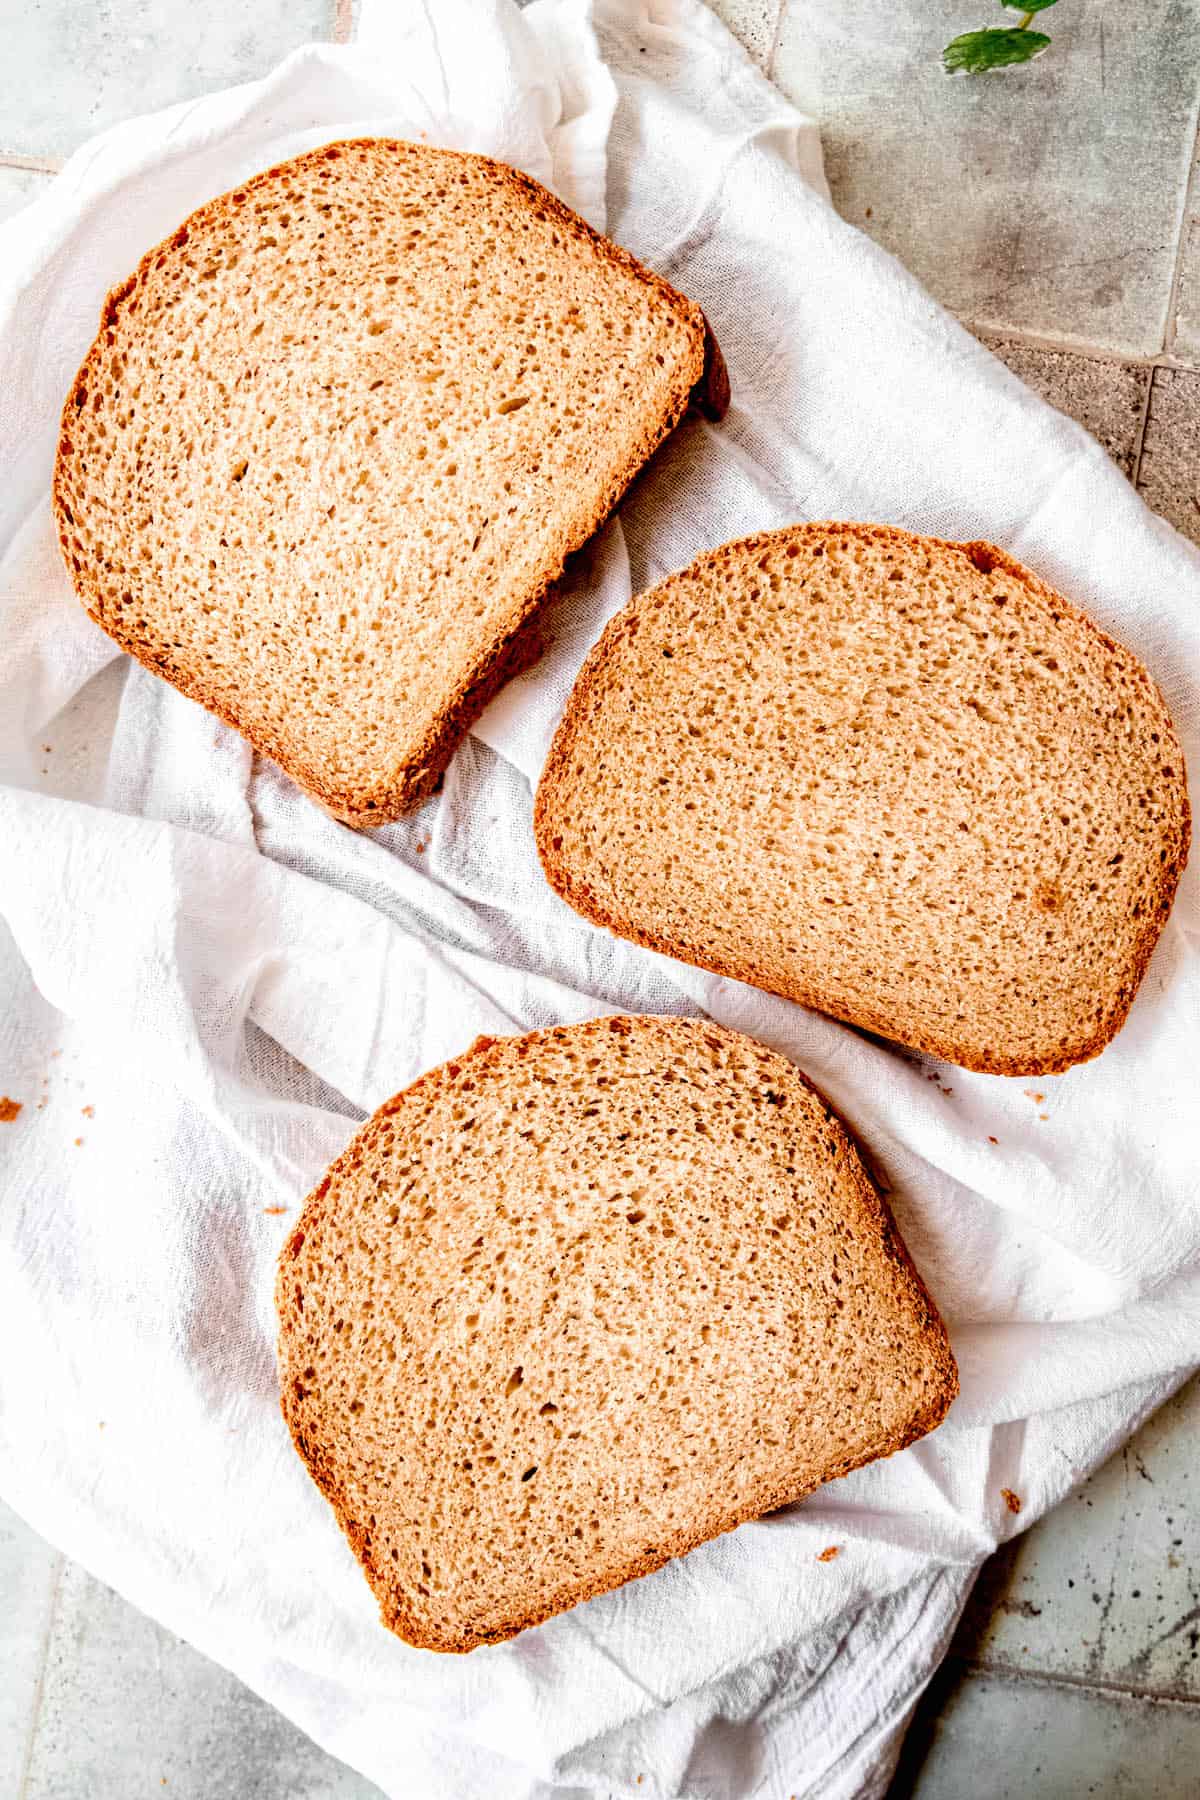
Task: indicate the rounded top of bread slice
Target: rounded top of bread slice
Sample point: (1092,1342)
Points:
(336,437)
(897,780)
(577,1301)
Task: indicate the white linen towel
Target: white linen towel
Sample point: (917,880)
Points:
(206,982)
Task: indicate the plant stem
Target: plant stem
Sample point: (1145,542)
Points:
(1026,20)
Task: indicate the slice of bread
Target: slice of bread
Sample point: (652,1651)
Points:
(898,780)
(337,436)
(580,1300)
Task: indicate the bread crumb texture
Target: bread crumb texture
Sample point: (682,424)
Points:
(336,437)
(897,780)
(580,1300)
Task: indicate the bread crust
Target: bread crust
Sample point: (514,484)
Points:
(705,385)
(548,812)
(395,1611)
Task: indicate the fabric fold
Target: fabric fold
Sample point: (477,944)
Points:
(206,982)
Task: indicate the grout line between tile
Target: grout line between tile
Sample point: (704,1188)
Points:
(986,1665)
(1135,471)
(1035,340)
(1181,235)
(40,1686)
(39,165)
(1038,340)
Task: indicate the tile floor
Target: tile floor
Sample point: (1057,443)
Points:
(1057,211)
(97,1702)
(1078,1659)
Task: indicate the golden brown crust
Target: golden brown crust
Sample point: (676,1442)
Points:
(580,897)
(704,383)
(395,1612)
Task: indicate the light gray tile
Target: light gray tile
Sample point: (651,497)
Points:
(29,1571)
(18,187)
(69,69)
(753,23)
(998,1738)
(1107,1586)
(1185,336)
(1169,477)
(127,1709)
(1107,398)
(1043,199)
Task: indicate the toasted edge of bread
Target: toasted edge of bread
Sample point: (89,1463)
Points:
(394,1613)
(515,647)
(577,894)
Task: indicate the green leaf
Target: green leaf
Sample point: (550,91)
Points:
(975,52)
(1028,6)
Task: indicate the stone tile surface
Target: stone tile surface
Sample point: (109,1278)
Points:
(18,187)
(1184,341)
(29,1574)
(67,70)
(999,1738)
(1169,477)
(128,1710)
(1044,199)
(1107,1586)
(1107,398)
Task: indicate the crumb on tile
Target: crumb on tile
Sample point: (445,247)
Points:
(55,1053)
(1011,1500)
(1032,1094)
(78,1142)
(9,1109)
(829,1552)
(275,1210)
(89,1112)
(992,1140)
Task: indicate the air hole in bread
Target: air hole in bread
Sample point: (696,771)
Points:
(715,1360)
(254,338)
(822,767)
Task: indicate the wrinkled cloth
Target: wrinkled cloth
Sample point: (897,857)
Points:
(206,982)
